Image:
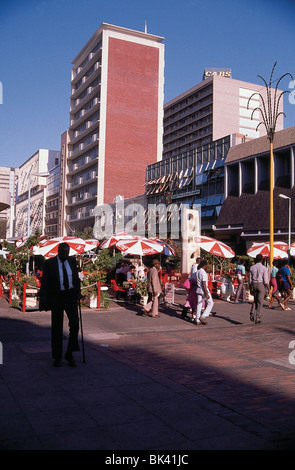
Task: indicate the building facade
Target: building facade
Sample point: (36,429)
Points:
(195,177)
(116,119)
(244,217)
(7,201)
(52,195)
(31,194)
(216,107)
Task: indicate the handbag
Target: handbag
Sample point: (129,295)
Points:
(187,284)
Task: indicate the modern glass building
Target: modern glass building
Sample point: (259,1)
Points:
(194,177)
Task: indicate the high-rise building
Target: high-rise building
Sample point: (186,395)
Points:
(7,200)
(31,193)
(116,119)
(53,195)
(216,107)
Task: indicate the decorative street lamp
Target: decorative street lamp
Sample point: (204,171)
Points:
(270,112)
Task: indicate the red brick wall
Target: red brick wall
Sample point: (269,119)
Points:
(131,117)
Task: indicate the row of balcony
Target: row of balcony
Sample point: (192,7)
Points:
(89,93)
(80,215)
(80,134)
(85,81)
(182,108)
(86,64)
(82,164)
(176,135)
(84,146)
(90,107)
(89,177)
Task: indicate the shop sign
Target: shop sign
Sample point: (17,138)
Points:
(217,72)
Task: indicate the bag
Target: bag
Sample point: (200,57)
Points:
(187,284)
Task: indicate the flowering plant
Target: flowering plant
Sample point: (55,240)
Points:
(141,287)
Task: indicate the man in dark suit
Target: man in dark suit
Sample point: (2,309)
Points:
(59,292)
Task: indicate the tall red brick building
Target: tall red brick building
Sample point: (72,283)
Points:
(116,119)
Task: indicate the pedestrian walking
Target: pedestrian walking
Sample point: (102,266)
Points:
(154,290)
(241,274)
(59,292)
(203,294)
(287,285)
(191,300)
(259,281)
(273,284)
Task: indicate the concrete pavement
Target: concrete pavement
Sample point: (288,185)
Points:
(150,384)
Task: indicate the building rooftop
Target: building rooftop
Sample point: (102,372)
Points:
(253,147)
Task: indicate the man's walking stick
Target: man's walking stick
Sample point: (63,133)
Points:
(79,304)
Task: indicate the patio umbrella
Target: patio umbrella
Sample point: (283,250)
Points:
(214,247)
(167,249)
(292,249)
(20,242)
(49,248)
(91,244)
(280,250)
(141,247)
(114,239)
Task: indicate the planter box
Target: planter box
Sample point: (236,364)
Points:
(93,301)
(144,299)
(31,291)
(249,296)
(31,302)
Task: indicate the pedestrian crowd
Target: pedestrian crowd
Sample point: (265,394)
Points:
(60,292)
(275,281)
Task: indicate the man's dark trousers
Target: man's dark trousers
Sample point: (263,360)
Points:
(66,301)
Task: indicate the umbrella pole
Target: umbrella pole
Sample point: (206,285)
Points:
(79,305)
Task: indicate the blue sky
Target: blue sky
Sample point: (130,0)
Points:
(40,38)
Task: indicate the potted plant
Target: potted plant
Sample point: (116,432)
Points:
(141,287)
(31,290)
(89,288)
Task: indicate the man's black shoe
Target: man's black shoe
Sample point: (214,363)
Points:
(57,363)
(70,360)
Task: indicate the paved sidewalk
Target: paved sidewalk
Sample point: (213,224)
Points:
(150,384)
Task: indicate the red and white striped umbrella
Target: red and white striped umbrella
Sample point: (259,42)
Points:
(167,249)
(280,250)
(20,242)
(91,244)
(214,247)
(114,239)
(49,248)
(141,247)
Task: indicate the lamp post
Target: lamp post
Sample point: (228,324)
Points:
(270,112)
(283,196)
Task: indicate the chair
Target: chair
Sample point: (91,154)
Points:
(120,291)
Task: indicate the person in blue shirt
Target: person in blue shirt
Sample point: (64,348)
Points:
(273,284)
(286,284)
(241,290)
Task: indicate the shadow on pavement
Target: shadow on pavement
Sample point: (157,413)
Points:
(163,390)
